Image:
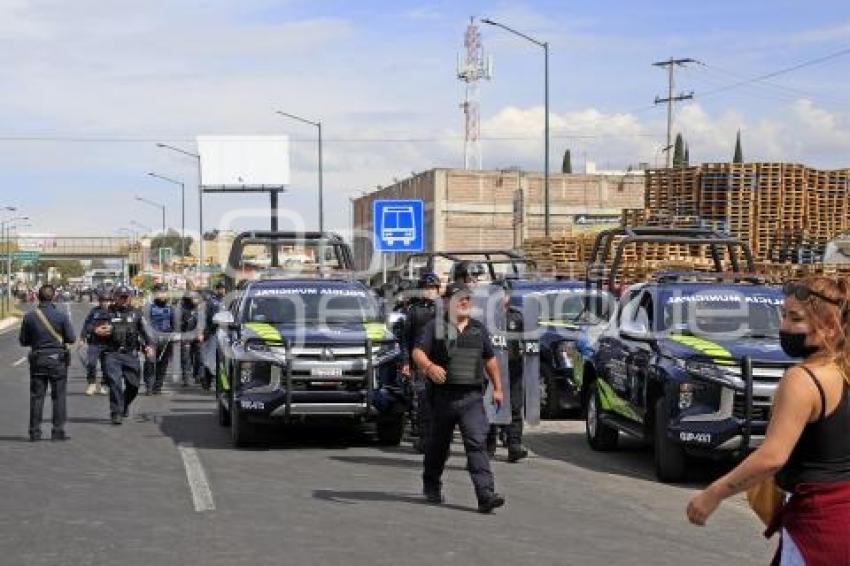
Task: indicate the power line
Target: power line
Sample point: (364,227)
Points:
(786,70)
(72,139)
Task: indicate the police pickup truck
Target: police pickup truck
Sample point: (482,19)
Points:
(303,346)
(690,363)
(565,327)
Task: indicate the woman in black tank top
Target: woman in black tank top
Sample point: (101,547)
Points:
(807,445)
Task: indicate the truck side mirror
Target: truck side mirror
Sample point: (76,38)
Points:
(224,319)
(635,330)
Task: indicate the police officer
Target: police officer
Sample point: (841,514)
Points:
(513,431)
(46,331)
(97,316)
(128,335)
(161,318)
(191,336)
(454,352)
(420,312)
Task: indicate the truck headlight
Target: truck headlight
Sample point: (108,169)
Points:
(564,353)
(707,370)
(256,374)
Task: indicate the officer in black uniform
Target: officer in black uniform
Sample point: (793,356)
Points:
(46,331)
(191,335)
(420,312)
(513,431)
(97,316)
(161,319)
(128,335)
(453,352)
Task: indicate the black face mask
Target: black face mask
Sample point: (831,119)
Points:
(794,345)
(159,302)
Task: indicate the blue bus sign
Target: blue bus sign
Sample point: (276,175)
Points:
(399,225)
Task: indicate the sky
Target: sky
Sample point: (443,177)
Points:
(90,86)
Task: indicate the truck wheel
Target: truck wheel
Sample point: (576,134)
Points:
(390,430)
(549,408)
(669,456)
(600,436)
(242,432)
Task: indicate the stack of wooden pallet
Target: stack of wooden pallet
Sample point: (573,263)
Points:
(829,208)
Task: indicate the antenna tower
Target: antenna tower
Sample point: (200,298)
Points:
(471,69)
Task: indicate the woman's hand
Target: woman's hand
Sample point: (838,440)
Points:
(702,506)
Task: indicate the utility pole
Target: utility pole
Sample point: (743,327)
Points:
(672,64)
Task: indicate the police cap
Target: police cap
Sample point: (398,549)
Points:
(457,290)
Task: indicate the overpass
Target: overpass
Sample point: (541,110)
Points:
(78,247)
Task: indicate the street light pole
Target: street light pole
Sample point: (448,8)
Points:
(157,205)
(321,197)
(182,210)
(545,46)
(200,203)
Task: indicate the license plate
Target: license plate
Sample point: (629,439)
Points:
(326,372)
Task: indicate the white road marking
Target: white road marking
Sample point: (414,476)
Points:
(19,362)
(197,477)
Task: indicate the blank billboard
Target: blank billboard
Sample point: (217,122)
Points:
(244,161)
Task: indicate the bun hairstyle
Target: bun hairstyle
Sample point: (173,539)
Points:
(825,318)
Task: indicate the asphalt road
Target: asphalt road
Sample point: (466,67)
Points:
(124,495)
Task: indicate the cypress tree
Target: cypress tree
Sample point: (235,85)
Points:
(567,165)
(679,152)
(739,154)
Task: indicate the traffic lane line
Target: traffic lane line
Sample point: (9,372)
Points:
(19,362)
(202,495)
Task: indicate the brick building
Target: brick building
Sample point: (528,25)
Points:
(499,209)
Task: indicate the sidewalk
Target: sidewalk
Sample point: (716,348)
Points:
(8,323)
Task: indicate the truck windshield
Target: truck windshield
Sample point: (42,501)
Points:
(753,313)
(575,305)
(310,305)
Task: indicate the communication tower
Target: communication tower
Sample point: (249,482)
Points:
(471,68)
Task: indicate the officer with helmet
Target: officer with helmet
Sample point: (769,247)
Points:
(420,312)
(127,335)
(454,352)
(161,317)
(513,432)
(98,316)
(467,272)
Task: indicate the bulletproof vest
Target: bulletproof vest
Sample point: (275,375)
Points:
(160,317)
(125,328)
(419,314)
(464,355)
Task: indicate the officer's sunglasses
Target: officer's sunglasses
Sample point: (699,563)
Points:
(802,293)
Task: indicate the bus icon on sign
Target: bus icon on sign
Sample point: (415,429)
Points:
(399,225)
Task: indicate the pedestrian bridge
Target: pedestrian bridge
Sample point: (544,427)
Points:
(76,247)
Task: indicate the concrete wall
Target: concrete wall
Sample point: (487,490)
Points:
(475,209)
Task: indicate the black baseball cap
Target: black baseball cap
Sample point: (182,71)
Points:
(457,290)
(122,291)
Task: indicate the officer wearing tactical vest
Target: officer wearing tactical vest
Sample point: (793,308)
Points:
(513,431)
(98,316)
(46,331)
(161,317)
(453,352)
(420,312)
(127,336)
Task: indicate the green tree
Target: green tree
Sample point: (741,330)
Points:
(567,165)
(739,154)
(67,268)
(171,239)
(679,151)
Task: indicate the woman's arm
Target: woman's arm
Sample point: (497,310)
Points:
(795,404)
